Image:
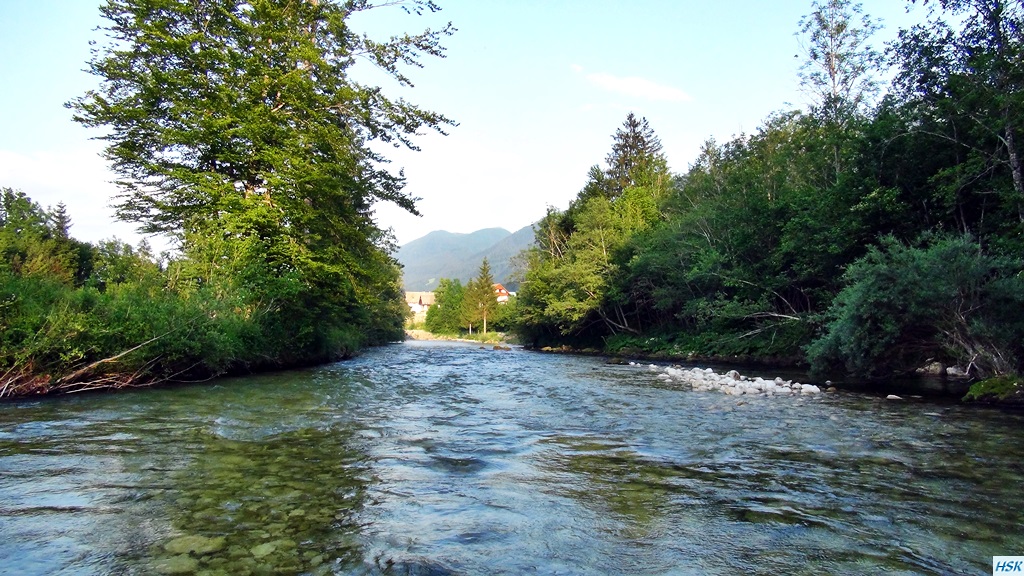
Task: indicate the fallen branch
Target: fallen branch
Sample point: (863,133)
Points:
(86,369)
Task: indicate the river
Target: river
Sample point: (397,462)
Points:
(443,458)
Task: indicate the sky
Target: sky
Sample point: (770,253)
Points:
(538,88)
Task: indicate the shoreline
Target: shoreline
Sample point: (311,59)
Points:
(423,335)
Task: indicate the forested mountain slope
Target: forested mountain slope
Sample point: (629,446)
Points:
(442,254)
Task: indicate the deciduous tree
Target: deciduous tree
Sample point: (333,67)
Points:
(236,127)
(445,315)
(841,65)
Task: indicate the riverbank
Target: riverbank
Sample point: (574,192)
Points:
(783,362)
(488,338)
(1002,392)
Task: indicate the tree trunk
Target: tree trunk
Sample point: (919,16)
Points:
(1015,169)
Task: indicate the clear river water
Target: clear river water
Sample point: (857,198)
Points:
(440,458)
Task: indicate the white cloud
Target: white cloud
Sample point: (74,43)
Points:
(611,107)
(638,87)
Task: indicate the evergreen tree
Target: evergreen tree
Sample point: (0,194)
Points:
(636,151)
(60,221)
(479,302)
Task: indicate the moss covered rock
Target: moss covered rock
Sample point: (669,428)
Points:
(999,390)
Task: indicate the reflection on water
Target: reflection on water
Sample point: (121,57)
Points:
(442,458)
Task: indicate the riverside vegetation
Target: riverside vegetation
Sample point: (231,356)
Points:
(237,131)
(863,235)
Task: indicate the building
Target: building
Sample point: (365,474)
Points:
(501,294)
(418,303)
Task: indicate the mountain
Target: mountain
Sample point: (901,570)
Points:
(443,254)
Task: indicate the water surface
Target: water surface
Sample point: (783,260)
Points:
(444,458)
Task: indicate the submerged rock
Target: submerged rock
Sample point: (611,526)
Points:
(261,550)
(194,544)
(180,564)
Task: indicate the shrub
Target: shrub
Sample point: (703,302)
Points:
(946,300)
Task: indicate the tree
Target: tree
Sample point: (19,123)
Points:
(570,286)
(20,215)
(966,87)
(635,157)
(209,105)
(34,241)
(480,301)
(445,315)
(235,127)
(840,66)
(61,221)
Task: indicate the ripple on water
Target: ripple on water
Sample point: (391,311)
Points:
(442,458)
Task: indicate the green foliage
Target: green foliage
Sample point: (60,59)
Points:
(479,301)
(571,287)
(743,253)
(132,322)
(903,305)
(750,246)
(445,315)
(209,105)
(236,129)
(998,389)
(841,64)
(960,94)
(505,316)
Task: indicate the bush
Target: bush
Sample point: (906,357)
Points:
(903,306)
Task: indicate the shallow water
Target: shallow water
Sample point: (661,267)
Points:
(443,458)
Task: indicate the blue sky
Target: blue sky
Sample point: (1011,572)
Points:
(538,88)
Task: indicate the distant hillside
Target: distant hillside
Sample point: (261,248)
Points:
(443,254)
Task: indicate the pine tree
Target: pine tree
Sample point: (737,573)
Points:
(635,149)
(479,301)
(61,221)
